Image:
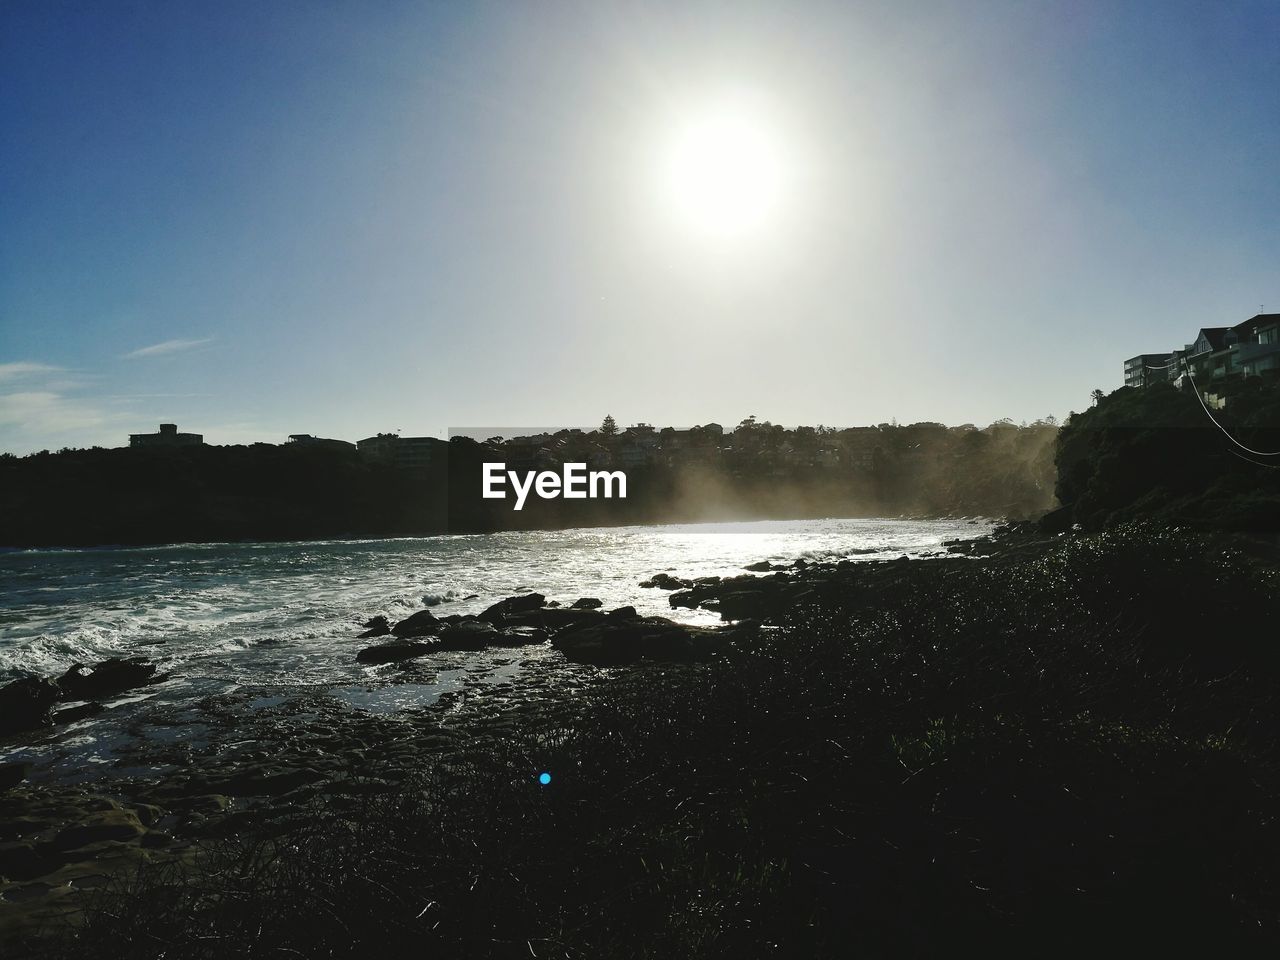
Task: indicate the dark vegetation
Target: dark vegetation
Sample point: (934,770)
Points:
(1067,750)
(1154,453)
(298,491)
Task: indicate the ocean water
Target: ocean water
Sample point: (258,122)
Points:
(222,616)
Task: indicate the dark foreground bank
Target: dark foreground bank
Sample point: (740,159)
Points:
(1064,746)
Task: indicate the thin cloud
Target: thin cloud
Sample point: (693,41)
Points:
(43,412)
(155,396)
(167,347)
(25,368)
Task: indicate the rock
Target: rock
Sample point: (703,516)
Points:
(587,603)
(272,783)
(72,714)
(421,624)
(664,581)
(762,567)
(1057,521)
(615,641)
(743,604)
(375,627)
(205,803)
(468,635)
(519,604)
(623,612)
(519,637)
(12,774)
(147,813)
(394,652)
(27,704)
(552,618)
(684,598)
(24,861)
(118,825)
(106,678)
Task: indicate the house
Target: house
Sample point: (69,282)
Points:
(168,436)
(1248,349)
(401,451)
(307,440)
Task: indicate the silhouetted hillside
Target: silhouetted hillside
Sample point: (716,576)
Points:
(1155,452)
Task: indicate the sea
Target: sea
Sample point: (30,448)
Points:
(220,616)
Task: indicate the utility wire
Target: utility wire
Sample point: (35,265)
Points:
(1226,432)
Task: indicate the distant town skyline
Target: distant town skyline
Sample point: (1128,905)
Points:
(261,220)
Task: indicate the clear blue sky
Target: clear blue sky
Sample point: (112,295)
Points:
(257,219)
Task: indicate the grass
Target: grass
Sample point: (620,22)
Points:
(1061,750)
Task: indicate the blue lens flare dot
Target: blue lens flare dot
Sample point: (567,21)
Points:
(544,778)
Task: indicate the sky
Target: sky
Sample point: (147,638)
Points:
(344,218)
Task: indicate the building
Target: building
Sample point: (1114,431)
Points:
(1147,368)
(307,440)
(1248,349)
(167,436)
(401,451)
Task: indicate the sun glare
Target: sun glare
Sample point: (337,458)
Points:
(722,173)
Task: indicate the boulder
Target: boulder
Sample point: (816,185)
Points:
(375,627)
(684,598)
(552,618)
(394,652)
(744,603)
(1057,521)
(27,704)
(266,781)
(512,605)
(623,612)
(614,641)
(421,624)
(761,567)
(587,603)
(26,861)
(118,825)
(106,678)
(12,774)
(72,714)
(664,581)
(468,635)
(518,637)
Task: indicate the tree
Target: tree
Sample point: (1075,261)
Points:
(609,427)
(1096,396)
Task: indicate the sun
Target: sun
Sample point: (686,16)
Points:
(722,170)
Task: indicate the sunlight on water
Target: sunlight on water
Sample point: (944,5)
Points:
(263,613)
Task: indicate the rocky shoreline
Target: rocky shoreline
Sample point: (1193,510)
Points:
(252,762)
